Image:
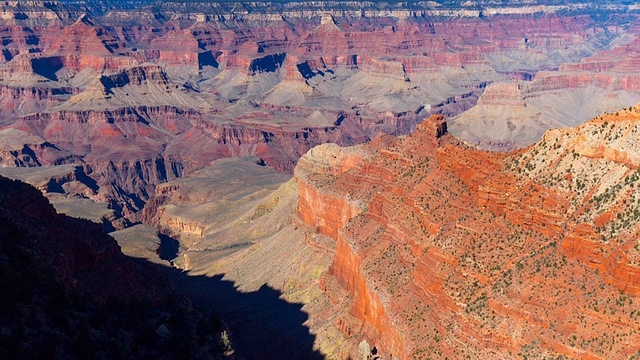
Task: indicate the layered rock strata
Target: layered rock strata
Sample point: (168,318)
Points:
(457,252)
(144,103)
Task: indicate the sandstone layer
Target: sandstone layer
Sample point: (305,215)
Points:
(142,94)
(413,246)
(456,252)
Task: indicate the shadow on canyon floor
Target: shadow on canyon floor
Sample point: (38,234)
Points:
(168,249)
(263,325)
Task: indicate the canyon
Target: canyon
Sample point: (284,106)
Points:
(69,291)
(454,252)
(422,246)
(140,93)
(347,179)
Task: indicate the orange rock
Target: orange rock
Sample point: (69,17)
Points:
(458,252)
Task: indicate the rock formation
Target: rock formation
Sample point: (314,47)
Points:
(91,85)
(501,120)
(413,246)
(560,98)
(456,252)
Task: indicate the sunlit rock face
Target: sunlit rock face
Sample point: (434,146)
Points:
(279,79)
(457,252)
(396,234)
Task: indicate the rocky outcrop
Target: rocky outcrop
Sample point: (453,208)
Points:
(327,212)
(141,102)
(37,13)
(501,120)
(195,209)
(139,75)
(453,248)
(612,69)
(502,94)
(85,36)
(21,149)
(381,68)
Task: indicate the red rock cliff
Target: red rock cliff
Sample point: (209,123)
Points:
(457,252)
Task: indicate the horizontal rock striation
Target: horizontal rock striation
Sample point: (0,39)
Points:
(141,94)
(457,252)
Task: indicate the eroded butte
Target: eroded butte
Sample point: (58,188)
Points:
(324,160)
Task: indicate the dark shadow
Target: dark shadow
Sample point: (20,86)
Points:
(107,226)
(21,16)
(47,67)
(206,59)
(61,91)
(32,40)
(82,176)
(269,63)
(7,55)
(114,81)
(28,151)
(169,247)
(305,70)
(263,325)
(67,284)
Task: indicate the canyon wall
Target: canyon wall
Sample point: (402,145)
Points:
(144,93)
(463,252)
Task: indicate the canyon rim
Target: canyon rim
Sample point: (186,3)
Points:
(332,179)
